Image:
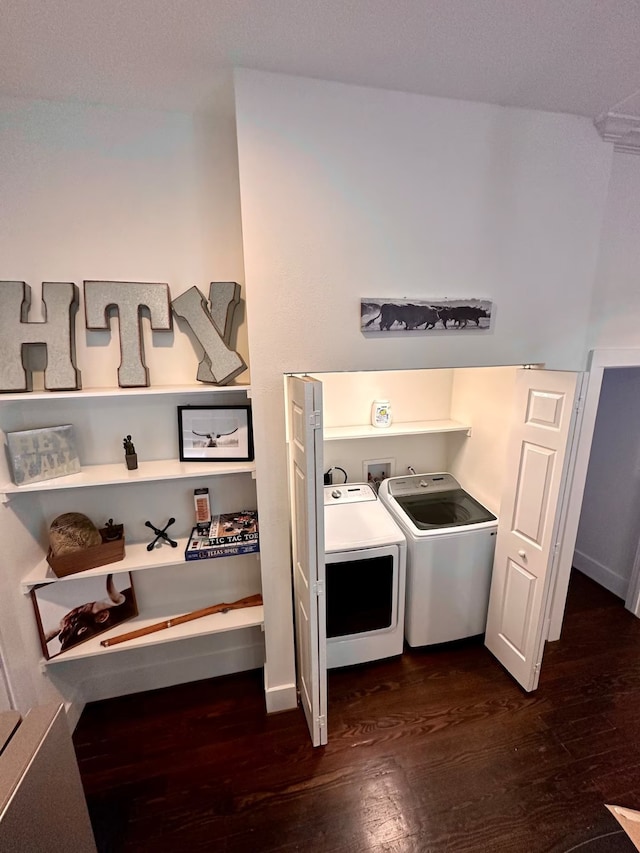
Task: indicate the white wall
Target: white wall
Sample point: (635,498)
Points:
(415,395)
(480,396)
(95,192)
(615,311)
(483,397)
(350,192)
(609,522)
(92,192)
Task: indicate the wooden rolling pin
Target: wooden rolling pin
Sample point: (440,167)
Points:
(250,601)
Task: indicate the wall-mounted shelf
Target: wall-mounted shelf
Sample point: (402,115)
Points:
(97,414)
(341,433)
(86,393)
(136,559)
(116,473)
(233,620)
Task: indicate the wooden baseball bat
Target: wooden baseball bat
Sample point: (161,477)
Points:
(250,601)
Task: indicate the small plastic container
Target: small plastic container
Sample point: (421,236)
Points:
(381,414)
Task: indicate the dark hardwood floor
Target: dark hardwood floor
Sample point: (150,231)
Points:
(436,751)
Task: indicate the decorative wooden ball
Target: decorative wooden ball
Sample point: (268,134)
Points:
(71,532)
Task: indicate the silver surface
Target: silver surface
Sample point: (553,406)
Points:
(421,484)
(224,299)
(219,364)
(42,454)
(129,297)
(57,333)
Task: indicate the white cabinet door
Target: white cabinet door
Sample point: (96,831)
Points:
(526,546)
(307,516)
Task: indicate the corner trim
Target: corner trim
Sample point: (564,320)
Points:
(621,129)
(283,697)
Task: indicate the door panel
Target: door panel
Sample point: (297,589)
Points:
(516,610)
(526,545)
(532,494)
(307,516)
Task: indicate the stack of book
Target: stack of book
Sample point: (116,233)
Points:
(228,535)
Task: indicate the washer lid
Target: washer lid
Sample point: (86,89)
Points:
(358,525)
(444,510)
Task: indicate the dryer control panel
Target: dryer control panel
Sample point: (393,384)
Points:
(349,493)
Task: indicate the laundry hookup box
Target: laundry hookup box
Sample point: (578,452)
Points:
(229,535)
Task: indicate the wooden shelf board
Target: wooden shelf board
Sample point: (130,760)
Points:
(136,559)
(116,473)
(234,620)
(85,393)
(340,433)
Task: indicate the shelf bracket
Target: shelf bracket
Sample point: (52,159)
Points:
(468,433)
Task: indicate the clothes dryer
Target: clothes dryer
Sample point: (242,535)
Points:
(365,556)
(450,547)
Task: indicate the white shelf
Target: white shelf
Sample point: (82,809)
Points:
(341,433)
(233,620)
(86,393)
(116,473)
(136,559)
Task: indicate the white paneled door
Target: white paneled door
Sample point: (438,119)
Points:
(304,417)
(528,530)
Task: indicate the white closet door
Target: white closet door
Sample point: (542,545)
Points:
(526,546)
(307,516)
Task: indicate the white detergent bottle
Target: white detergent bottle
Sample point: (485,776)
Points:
(381,413)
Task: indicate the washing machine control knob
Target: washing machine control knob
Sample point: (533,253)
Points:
(336,493)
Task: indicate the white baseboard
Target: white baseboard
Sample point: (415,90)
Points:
(151,673)
(73,711)
(601,574)
(280,697)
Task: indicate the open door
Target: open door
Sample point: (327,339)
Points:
(304,421)
(528,530)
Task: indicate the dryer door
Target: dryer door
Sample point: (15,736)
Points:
(528,529)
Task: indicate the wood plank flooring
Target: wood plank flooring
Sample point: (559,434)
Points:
(436,751)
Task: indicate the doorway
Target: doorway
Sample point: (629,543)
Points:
(599,362)
(609,526)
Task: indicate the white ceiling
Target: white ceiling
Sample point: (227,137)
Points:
(576,56)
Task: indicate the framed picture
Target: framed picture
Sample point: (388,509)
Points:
(215,433)
(42,454)
(374,471)
(72,612)
(425,316)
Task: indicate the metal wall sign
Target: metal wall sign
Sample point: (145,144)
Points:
(57,333)
(219,363)
(128,298)
(210,326)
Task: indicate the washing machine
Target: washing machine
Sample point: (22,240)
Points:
(365,558)
(450,547)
